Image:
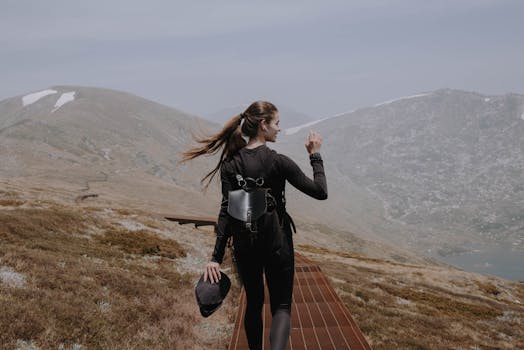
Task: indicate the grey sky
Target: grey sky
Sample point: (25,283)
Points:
(318,57)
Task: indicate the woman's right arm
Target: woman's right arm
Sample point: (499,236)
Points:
(316,188)
(222,228)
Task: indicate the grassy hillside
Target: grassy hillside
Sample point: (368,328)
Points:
(93,278)
(82,276)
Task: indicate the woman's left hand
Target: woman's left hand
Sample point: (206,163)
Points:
(212,271)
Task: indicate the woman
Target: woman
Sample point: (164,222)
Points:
(270,249)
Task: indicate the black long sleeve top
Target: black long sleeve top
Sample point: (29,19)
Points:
(277,168)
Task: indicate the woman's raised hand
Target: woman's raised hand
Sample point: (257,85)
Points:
(212,271)
(313,142)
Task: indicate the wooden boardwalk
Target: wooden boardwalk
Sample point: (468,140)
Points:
(196,220)
(319,319)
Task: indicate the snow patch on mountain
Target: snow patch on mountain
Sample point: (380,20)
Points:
(32,98)
(64,98)
(344,113)
(401,98)
(291,131)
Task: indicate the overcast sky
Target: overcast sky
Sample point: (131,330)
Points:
(317,57)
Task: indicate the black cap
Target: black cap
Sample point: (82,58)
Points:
(209,295)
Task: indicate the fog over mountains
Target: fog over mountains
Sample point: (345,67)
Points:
(438,171)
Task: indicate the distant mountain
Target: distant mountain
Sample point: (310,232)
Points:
(92,137)
(288,116)
(435,170)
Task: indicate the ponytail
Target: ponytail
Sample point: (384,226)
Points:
(230,137)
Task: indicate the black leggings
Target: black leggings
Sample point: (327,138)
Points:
(252,261)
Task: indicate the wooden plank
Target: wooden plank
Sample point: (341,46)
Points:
(196,220)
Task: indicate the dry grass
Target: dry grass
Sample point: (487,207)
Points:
(11,202)
(92,209)
(142,242)
(92,289)
(325,251)
(322,250)
(444,305)
(10,199)
(10,193)
(488,288)
(124,211)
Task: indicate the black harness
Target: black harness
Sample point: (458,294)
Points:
(252,200)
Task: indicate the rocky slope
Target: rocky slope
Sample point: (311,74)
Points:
(436,170)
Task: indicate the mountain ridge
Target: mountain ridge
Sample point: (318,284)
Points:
(425,172)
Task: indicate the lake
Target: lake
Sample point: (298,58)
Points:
(504,261)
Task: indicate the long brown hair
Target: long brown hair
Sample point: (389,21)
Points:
(230,137)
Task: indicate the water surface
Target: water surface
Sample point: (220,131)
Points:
(504,261)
